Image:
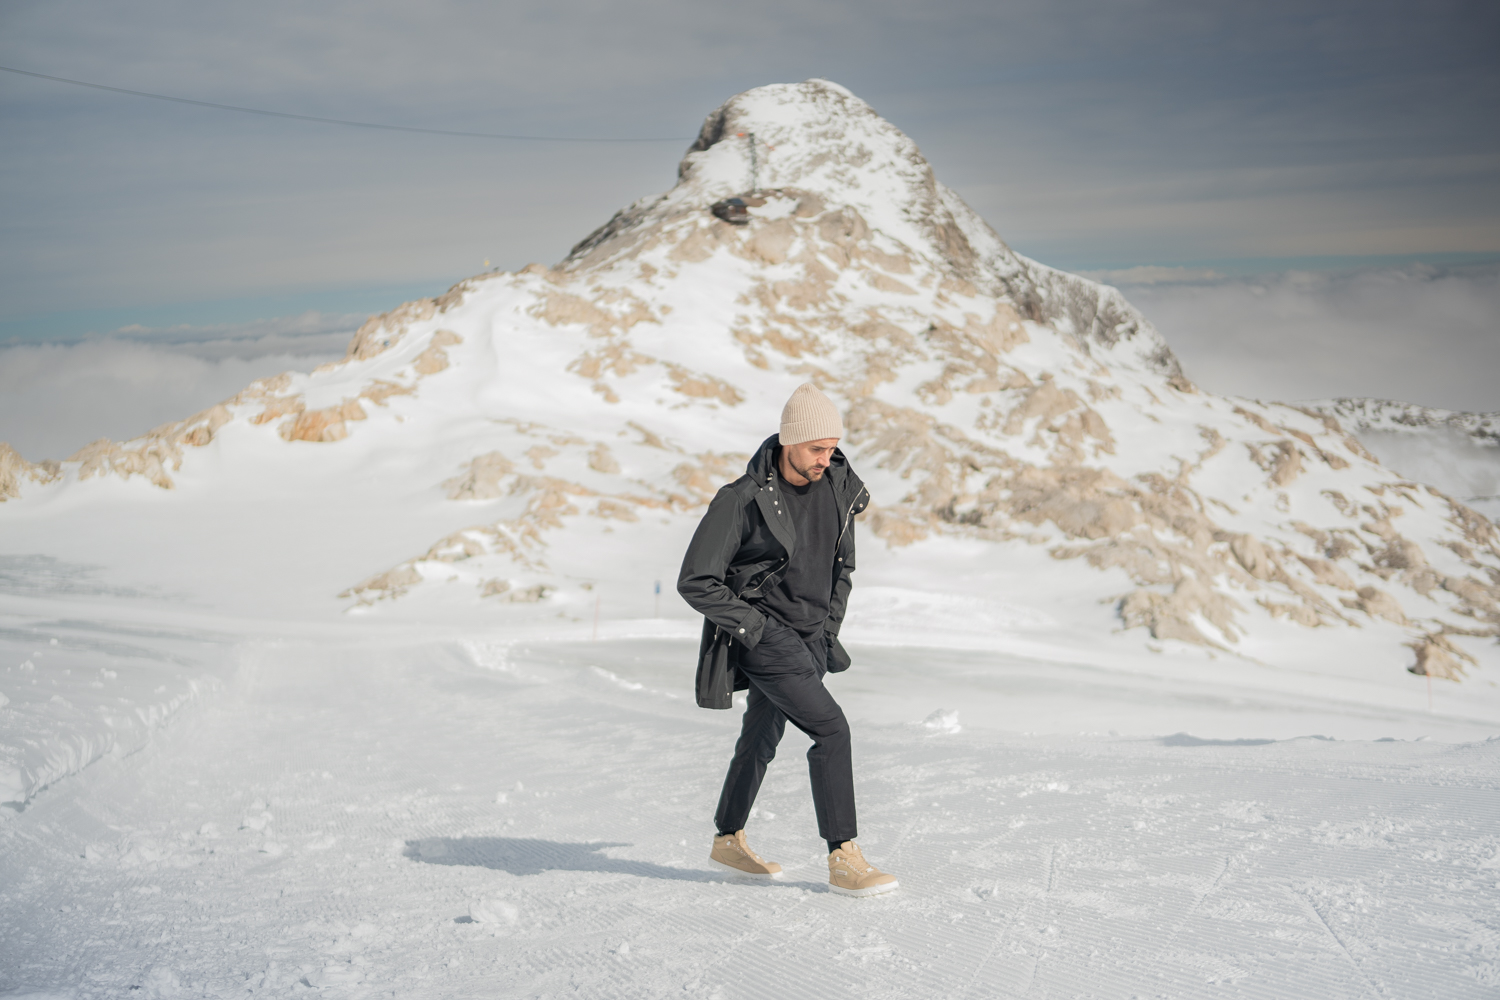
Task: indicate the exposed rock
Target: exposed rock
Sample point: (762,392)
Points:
(512,594)
(704,386)
(327,424)
(1378,604)
(1383,414)
(1327,574)
(14,470)
(380,333)
(391,583)
(434,359)
(1251,554)
(1176,615)
(600,459)
(1437,656)
(481,479)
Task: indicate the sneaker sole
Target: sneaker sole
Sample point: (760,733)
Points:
(873,890)
(744,874)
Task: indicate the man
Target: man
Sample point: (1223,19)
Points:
(769,569)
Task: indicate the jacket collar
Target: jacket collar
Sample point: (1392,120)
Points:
(762,466)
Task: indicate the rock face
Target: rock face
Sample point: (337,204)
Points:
(15,470)
(987,398)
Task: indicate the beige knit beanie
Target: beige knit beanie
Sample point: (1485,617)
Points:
(810,416)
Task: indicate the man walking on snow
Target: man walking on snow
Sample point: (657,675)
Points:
(769,569)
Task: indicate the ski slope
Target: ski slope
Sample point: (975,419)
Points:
(485,817)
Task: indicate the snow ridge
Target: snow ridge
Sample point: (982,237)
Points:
(1389,415)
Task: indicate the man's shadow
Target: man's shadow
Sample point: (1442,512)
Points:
(525,856)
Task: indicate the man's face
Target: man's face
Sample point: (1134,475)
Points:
(810,459)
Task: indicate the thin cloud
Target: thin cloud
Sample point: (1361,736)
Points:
(55,398)
(1417,334)
(307,334)
(1154,274)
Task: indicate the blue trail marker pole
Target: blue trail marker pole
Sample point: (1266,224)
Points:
(656,605)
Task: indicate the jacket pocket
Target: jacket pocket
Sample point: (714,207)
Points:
(838,658)
(716,673)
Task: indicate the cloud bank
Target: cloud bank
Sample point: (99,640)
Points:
(1417,334)
(55,398)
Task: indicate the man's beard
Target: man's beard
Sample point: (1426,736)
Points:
(811,474)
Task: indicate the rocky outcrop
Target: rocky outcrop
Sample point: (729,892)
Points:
(159,453)
(380,333)
(1384,414)
(156,455)
(14,470)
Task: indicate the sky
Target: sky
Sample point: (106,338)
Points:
(1291,170)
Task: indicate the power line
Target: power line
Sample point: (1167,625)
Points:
(328,121)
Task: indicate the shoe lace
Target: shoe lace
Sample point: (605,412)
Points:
(748,852)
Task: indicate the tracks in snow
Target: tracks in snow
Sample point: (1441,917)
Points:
(374,775)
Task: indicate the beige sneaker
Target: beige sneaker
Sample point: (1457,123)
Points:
(732,852)
(851,874)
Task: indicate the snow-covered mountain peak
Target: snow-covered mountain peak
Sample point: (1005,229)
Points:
(818,137)
(1024,432)
(824,161)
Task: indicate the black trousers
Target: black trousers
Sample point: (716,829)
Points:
(786,682)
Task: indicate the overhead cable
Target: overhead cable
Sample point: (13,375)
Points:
(331,121)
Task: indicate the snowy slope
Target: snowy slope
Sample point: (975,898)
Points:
(533,449)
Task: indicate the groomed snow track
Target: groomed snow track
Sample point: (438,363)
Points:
(333,822)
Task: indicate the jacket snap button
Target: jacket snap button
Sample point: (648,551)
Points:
(742,631)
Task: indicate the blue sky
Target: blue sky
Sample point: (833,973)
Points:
(1092,135)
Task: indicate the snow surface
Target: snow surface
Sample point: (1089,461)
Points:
(540,827)
(360,684)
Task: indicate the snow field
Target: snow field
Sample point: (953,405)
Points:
(532,819)
(74,690)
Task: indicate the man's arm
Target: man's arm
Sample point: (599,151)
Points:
(842,584)
(709,554)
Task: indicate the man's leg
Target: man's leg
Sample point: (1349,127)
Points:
(786,671)
(760,732)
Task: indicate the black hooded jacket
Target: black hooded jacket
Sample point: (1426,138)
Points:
(739,551)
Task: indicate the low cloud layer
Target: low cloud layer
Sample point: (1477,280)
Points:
(55,398)
(1416,334)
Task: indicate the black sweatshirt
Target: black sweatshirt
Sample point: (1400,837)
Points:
(800,600)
